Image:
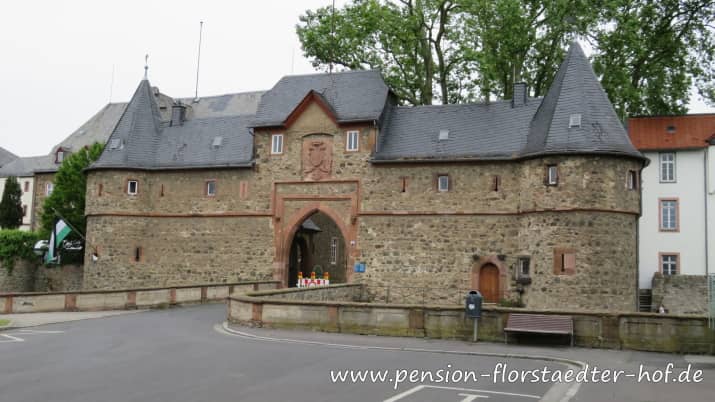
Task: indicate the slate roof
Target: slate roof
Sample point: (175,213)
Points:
(147,142)
(6,156)
(26,166)
(499,131)
(353,95)
(576,90)
(236,104)
(485,131)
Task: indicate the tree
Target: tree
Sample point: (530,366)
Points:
(11,205)
(68,195)
(647,53)
(652,53)
(408,40)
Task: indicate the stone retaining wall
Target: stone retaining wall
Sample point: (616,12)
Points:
(681,294)
(125,299)
(638,331)
(20,279)
(29,276)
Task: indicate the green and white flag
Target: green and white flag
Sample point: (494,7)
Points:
(58,234)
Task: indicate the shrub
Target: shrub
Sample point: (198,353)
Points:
(16,244)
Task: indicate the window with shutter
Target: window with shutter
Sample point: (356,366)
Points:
(564,261)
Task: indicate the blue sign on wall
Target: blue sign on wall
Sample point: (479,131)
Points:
(360,267)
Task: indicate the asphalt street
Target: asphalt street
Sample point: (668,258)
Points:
(184,354)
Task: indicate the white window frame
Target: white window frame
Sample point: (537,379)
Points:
(662,163)
(575,120)
(443,186)
(129,187)
(632,180)
(672,264)
(333,250)
(49,187)
(668,215)
(552,173)
(276,144)
(210,193)
(60,156)
(352,141)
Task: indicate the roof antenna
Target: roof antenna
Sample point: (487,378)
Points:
(111,85)
(146,67)
(332,36)
(198,62)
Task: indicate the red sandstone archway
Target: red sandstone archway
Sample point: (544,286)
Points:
(489,276)
(294,222)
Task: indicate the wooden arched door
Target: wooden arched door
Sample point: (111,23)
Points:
(489,283)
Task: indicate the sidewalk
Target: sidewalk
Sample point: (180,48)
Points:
(35,319)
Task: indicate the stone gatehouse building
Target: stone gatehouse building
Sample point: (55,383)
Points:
(535,198)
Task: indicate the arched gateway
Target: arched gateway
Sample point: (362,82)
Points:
(316,242)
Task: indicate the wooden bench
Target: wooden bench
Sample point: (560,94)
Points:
(539,324)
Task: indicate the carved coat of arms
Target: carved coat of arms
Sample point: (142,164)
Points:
(317,158)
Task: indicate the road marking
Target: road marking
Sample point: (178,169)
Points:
(468,397)
(404,394)
(35,331)
(11,339)
(559,392)
(471,397)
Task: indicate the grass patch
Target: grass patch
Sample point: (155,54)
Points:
(4,322)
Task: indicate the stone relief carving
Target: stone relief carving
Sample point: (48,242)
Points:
(317,158)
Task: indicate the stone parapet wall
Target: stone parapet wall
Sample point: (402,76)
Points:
(351,292)
(637,331)
(681,294)
(35,302)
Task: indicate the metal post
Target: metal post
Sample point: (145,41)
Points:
(476,329)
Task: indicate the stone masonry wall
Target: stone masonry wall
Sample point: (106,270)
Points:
(20,279)
(681,294)
(178,251)
(410,235)
(64,278)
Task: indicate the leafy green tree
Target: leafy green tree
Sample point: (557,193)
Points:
(647,53)
(11,204)
(68,195)
(652,52)
(16,244)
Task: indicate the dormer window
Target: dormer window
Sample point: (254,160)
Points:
(575,120)
(60,156)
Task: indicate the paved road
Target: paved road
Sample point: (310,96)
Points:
(178,355)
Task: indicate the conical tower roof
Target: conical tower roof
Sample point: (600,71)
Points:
(135,138)
(577,94)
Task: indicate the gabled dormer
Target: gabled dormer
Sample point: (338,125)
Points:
(60,154)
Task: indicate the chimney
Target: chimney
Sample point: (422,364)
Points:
(178,114)
(518,99)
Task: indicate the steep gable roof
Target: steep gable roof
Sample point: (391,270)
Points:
(500,130)
(216,134)
(6,156)
(353,95)
(576,91)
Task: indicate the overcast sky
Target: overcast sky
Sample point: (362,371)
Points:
(57,57)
